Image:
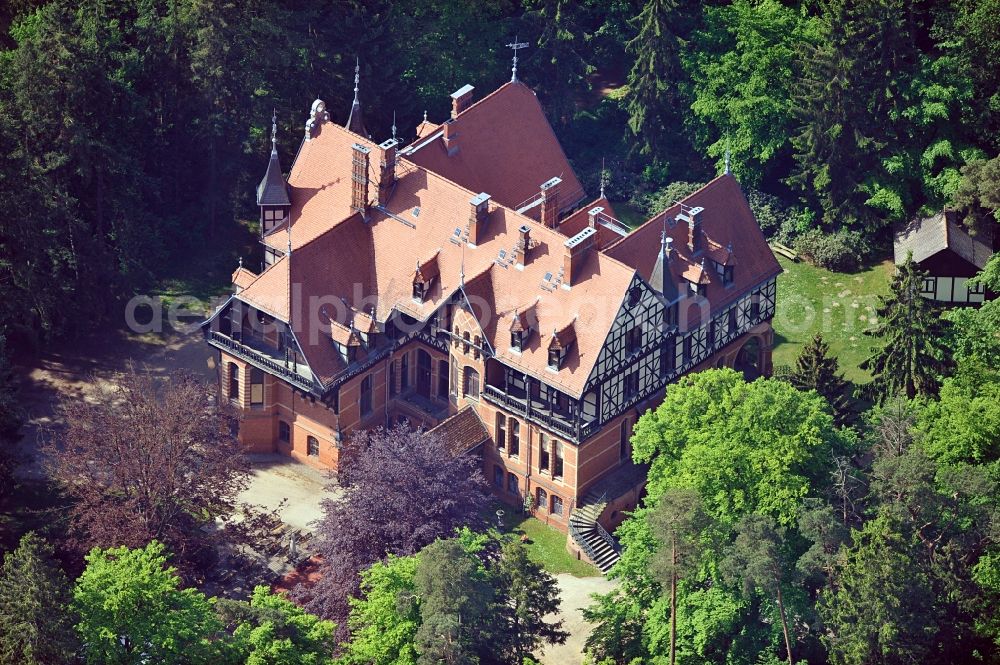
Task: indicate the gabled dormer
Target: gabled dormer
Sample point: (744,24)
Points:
(725,262)
(697,278)
(272,192)
(425,273)
(559,345)
(346,340)
(520,327)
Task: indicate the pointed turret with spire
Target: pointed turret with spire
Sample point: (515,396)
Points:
(355,122)
(662,277)
(272,192)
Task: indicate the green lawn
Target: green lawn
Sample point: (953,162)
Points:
(546,545)
(838,305)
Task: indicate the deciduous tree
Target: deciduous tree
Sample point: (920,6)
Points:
(149,459)
(401,490)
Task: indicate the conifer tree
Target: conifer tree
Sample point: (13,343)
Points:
(653,83)
(36,622)
(913,356)
(816,369)
(527,594)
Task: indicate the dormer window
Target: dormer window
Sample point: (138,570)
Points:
(698,289)
(516,340)
(419,291)
(725,273)
(555,358)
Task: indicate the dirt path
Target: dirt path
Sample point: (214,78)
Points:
(74,369)
(574,594)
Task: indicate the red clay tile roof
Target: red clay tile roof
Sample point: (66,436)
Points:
(242,278)
(726,219)
(506,148)
(462,432)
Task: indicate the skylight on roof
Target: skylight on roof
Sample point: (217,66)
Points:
(548,277)
(416,211)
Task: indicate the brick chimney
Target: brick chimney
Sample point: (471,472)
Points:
(550,202)
(479,213)
(450,137)
(461,99)
(577,249)
(387,169)
(359,179)
(694,228)
(594,215)
(523,245)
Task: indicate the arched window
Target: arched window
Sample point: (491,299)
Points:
(256,387)
(543,451)
(471,383)
(284,432)
(366,395)
(512,486)
(543,499)
(312,446)
(234,381)
(515,437)
(501,432)
(557,505)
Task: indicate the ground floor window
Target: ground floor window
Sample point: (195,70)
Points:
(557,505)
(312,446)
(498,476)
(512,485)
(284,432)
(543,499)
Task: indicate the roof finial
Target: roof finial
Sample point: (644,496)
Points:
(461,274)
(274,131)
(289,230)
(241,261)
(516,45)
(357,76)
(393,125)
(602,177)
(727,156)
(425,115)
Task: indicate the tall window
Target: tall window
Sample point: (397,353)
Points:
(234,381)
(366,395)
(465,342)
(443,379)
(256,387)
(754,305)
(470,386)
(284,432)
(498,476)
(543,499)
(392,378)
(478,345)
(512,484)
(454,379)
(312,446)
(501,435)
(404,372)
(632,384)
(633,340)
(557,459)
(543,452)
(623,440)
(557,505)
(515,437)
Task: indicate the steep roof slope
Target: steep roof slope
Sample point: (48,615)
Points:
(506,148)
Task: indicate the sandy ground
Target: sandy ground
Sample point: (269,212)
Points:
(278,479)
(574,594)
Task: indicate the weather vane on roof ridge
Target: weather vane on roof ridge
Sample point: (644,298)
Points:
(516,45)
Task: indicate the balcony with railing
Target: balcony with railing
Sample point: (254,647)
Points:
(260,353)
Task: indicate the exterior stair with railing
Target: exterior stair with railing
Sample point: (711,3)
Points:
(600,547)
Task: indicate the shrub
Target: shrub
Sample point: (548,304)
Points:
(841,251)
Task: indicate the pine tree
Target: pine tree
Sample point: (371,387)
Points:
(914,356)
(817,370)
(558,69)
(677,522)
(36,622)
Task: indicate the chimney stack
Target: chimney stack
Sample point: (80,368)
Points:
(694,228)
(461,99)
(450,135)
(577,249)
(387,170)
(523,245)
(478,216)
(359,179)
(594,216)
(550,202)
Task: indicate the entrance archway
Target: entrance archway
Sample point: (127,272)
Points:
(748,360)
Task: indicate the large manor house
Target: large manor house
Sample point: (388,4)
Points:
(466,283)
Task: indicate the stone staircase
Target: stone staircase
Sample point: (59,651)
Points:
(599,546)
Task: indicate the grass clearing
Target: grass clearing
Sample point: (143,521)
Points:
(838,305)
(546,545)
